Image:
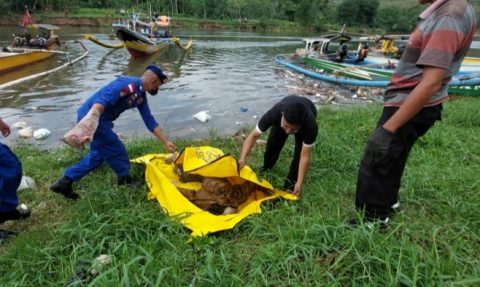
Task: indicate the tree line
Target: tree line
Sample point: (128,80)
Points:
(390,15)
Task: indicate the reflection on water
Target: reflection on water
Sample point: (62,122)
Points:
(224,72)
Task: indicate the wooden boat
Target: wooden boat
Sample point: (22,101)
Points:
(13,59)
(141,38)
(374,67)
(461,85)
(350,71)
(471,61)
(27,49)
(139,44)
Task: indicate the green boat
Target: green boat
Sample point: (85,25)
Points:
(354,72)
(464,91)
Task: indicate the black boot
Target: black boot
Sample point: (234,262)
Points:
(21,212)
(128,181)
(289,184)
(64,186)
(6,234)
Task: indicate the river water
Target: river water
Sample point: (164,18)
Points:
(233,75)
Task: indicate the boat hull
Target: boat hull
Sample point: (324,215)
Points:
(11,61)
(139,45)
(350,71)
(458,85)
(465,91)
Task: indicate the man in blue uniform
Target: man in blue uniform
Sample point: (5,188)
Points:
(10,177)
(109,102)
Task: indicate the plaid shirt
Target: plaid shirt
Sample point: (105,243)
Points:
(441,39)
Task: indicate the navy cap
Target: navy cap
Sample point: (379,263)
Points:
(157,71)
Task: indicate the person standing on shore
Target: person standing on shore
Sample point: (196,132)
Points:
(292,115)
(413,102)
(103,108)
(10,178)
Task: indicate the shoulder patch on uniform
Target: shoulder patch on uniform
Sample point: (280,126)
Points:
(128,90)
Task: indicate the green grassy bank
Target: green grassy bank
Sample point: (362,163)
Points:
(433,241)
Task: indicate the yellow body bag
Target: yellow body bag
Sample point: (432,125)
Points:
(206,161)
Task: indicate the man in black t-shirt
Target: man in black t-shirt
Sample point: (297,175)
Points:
(292,115)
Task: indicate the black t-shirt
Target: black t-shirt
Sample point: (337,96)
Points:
(273,117)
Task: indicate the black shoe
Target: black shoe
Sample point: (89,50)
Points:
(64,186)
(128,181)
(289,185)
(6,234)
(20,213)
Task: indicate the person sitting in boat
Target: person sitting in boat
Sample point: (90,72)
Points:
(162,34)
(400,51)
(342,53)
(363,53)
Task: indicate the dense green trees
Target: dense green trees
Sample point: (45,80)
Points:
(391,15)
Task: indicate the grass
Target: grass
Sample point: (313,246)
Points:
(433,241)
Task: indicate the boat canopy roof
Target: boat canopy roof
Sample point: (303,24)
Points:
(321,44)
(342,38)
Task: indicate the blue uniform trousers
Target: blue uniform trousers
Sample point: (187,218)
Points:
(10,178)
(106,146)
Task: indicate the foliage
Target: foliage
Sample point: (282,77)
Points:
(433,241)
(392,21)
(389,15)
(357,12)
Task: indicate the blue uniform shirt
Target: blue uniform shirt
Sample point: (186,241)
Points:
(119,95)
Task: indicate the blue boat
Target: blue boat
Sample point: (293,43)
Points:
(459,83)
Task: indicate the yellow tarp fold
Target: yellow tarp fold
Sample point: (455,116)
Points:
(209,162)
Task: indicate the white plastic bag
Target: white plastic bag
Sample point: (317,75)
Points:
(27,182)
(41,134)
(26,132)
(202,116)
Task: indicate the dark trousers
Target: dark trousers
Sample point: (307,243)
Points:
(276,141)
(10,178)
(105,147)
(378,184)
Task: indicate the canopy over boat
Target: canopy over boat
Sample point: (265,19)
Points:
(320,46)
